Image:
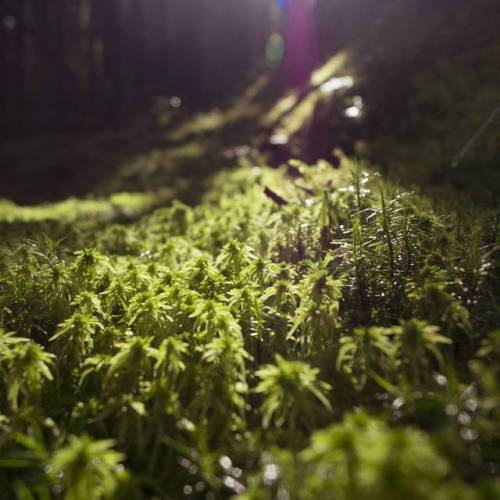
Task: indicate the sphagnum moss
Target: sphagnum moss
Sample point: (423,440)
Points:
(336,347)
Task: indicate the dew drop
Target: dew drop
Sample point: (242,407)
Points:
(451,410)
(271,473)
(471,404)
(468,434)
(225,462)
(398,403)
(464,418)
(441,379)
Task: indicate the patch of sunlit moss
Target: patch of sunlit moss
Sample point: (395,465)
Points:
(165,118)
(315,180)
(201,123)
(133,203)
(328,69)
(163,111)
(72,209)
(215,120)
(282,106)
(187,151)
(255,88)
(301,114)
(242,108)
(145,167)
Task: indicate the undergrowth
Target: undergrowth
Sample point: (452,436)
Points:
(326,336)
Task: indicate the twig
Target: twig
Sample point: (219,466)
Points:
(480,131)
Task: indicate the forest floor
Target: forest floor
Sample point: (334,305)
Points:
(232,305)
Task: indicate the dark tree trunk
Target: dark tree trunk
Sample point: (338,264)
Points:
(4,71)
(90,37)
(20,59)
(162,58)
(59,93)
(135,48)
(111,36)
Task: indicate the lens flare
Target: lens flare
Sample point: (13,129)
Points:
(274,50)
(300,39)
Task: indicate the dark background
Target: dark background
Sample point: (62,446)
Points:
(73,63)
(80,80)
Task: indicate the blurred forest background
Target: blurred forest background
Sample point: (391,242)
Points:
(428,72)
(66,62)
(228,224)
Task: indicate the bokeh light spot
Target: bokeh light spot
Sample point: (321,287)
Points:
(337,83)
(175,102)
(279,139)
(9,22)
(356,110)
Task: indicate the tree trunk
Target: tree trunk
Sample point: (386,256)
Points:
(20,59)
(59,96)
(4,69)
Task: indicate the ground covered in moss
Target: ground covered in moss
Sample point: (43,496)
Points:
(194,323)
(322,335)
